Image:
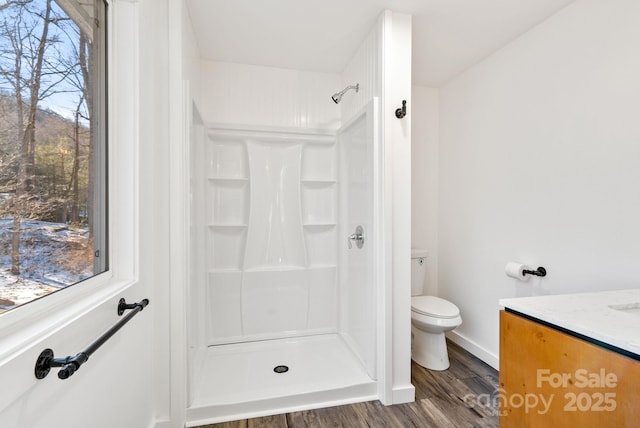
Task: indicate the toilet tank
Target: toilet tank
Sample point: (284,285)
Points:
(418,270)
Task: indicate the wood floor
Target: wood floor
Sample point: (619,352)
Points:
(463,396)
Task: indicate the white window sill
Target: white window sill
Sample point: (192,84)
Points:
(42,318)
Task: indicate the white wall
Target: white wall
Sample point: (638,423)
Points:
(396,83)
(424,180)
(241,94)
(115,388)
(365,69)
(190,56)
(154,181)
(540,163)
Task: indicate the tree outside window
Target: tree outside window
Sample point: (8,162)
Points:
(52,146)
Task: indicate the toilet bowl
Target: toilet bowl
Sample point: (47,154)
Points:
(431,317)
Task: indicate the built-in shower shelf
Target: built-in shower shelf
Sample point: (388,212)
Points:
(233,179)
(318,266)
(318,181)
(225,270)
(319,225)
(275,268)
(227,226)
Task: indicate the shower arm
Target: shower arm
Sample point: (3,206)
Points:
(356,87)
(337,97)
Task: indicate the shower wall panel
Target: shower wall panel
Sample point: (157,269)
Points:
(275,239)
(271,204)
(251,95)
(359,283)
(365,67)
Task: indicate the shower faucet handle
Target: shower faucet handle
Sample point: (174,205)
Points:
(358,237)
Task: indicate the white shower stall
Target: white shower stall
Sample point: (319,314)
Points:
(277,285)
(283,303)
(289,302)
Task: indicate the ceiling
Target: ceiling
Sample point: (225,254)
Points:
(322,35)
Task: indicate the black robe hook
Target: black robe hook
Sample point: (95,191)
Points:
(402,112)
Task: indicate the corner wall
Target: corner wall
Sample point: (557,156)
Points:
(540,163)
(424,180)
(382,67)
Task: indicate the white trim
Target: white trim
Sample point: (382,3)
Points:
(279,134)
(179,248)
(269,129)
(404,394)
(477,350)
(396,85)
(124,141)
(75,11)
(180,104)
(386,206)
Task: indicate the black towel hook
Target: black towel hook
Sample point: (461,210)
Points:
(402,112)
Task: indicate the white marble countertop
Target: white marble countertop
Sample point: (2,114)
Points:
(589,314)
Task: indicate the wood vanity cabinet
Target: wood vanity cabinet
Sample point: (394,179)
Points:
(550,379)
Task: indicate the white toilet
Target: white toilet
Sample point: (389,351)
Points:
(431,317)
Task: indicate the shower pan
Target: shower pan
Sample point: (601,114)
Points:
(283,310)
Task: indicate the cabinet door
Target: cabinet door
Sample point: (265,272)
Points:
(552,379)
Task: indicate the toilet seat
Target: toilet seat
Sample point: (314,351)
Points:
(434,307)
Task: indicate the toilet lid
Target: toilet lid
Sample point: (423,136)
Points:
(434,307)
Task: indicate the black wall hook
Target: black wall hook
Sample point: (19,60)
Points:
(402,112)
(538,272)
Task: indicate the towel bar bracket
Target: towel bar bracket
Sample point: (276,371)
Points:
(124,306)
(69,365)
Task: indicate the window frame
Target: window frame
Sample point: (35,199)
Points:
(25,325)
(101,159)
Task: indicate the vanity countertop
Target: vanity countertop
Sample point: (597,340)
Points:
(589,314)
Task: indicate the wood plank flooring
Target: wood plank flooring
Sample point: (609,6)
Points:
(463,396)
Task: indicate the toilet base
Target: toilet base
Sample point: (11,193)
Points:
(429,349)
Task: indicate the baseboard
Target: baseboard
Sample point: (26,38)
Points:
(404,394)
(477,350)
(160,424)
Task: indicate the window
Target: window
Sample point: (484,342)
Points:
(52,146)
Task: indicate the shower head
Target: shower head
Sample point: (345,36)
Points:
(338,95)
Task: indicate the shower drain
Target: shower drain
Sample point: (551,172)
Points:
(281,369)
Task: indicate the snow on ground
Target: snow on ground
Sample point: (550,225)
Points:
(15,291)
(51,258)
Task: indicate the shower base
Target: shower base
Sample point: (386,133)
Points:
(238,381)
